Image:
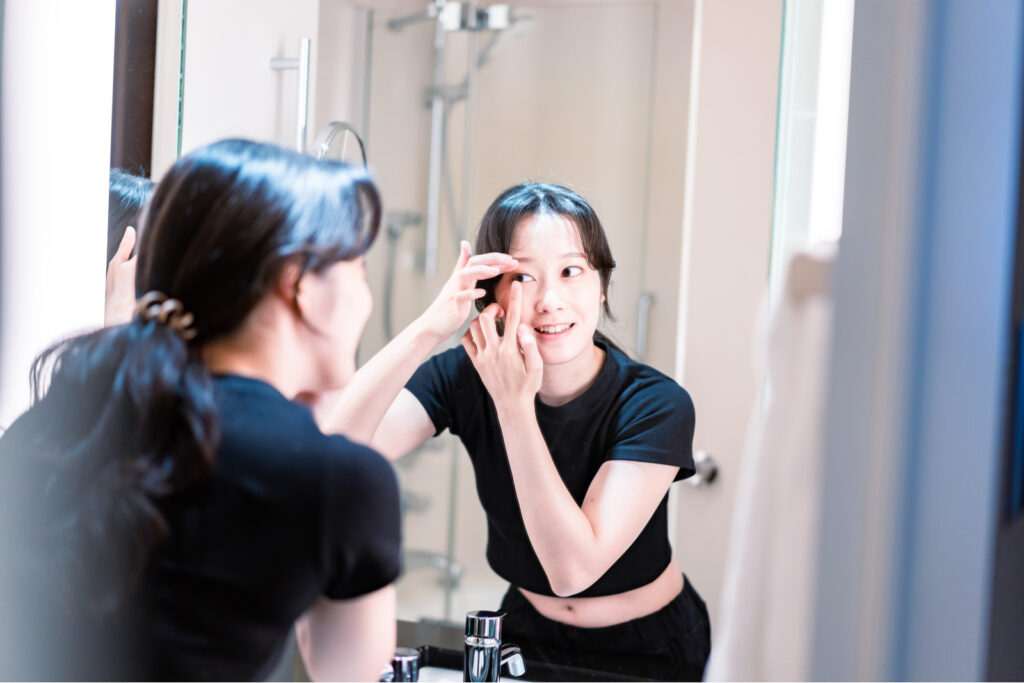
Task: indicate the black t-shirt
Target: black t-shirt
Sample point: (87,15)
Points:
(630,412)
(289,514)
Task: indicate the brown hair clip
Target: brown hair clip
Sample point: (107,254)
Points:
(166,311)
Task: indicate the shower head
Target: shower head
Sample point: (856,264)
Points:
(399,23)
(460,16)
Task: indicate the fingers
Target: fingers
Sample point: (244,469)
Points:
(470,295)
(476,336)
(493,309)
(124,249)
(531,356)
(464,253)
(503,262)
(469,344)
(515,306)
(481,272)
(485,321)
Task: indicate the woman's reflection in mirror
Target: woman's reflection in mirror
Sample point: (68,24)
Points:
(574,444)
(128,195)
(186,514)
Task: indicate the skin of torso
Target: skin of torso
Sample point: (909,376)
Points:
(607,610)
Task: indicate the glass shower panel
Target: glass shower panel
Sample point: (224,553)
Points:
(567,99)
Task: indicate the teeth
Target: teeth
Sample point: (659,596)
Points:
(554,329)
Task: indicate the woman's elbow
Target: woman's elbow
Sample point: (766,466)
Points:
(567,583)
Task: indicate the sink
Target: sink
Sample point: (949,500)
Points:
(437,673)
(441,651)
(440,673)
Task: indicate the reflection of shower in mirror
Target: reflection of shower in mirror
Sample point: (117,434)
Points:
(448,17)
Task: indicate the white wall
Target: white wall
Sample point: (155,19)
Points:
(57,78)
(57,64)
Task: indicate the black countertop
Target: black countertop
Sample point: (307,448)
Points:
(441,644)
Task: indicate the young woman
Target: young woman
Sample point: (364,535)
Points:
(574,445)
(186,512)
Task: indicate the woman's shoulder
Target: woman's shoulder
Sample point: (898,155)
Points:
(643,387)
(453,359)
(257,421)
(450,367)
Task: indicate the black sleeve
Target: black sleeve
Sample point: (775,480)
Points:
(363,523)
(656,425)
(433,385)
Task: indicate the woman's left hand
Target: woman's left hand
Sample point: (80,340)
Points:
(119,304)
(510,366)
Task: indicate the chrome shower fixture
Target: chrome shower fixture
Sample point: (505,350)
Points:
(459,16)
(322,144)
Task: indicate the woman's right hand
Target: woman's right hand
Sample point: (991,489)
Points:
(452,306)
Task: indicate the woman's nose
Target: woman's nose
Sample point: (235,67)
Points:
(550,299)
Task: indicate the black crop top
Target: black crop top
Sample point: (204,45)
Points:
(630,412)
(289,514)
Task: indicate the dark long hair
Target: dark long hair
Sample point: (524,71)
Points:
(124,418)
(497,229)
(128,194)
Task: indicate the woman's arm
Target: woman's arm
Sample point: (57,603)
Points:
(348,640)
(368,406)
(575,544)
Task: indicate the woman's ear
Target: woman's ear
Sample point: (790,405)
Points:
(288,285)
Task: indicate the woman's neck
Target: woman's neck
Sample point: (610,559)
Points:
(243,354)
(567,381)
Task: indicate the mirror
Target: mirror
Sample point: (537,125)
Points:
(600,95)
(560,92)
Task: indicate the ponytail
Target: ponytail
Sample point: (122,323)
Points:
(122,420)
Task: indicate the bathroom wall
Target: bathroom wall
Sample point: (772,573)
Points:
(57,87)
(58,69)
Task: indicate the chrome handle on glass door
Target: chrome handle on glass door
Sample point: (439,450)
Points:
(301,63)
(643,315)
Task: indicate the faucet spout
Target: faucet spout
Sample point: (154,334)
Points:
(512,657)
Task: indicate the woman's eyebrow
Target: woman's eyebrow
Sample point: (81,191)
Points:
(527,259)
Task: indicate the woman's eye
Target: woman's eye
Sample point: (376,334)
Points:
(572,271)
(521,277)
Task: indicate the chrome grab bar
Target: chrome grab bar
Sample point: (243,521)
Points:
(643,315)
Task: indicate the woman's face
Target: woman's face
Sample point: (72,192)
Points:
(561,292)
(337,307)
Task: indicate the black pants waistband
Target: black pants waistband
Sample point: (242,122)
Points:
(679,633)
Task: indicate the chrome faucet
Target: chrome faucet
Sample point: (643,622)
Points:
(405,666)
(484,652)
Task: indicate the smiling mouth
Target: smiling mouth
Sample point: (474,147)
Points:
(553,329)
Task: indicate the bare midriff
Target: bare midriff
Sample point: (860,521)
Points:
(607,610)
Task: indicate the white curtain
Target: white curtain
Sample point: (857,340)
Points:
(765,619)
